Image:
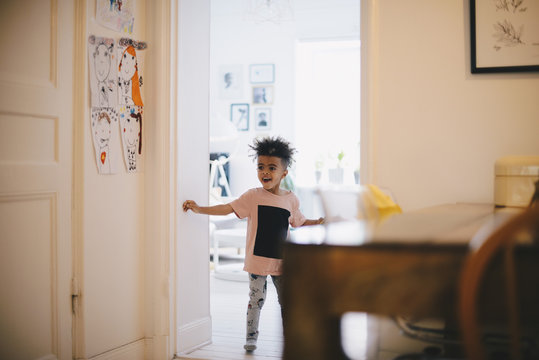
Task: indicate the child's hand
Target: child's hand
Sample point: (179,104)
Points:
(310,222)
(191,205)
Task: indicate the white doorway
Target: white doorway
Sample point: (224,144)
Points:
(242,172)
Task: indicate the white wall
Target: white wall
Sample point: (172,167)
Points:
(113,256)
(436,129)
(237,39)
(193,322)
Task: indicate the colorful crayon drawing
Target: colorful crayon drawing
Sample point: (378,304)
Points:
(104,123)
(118,15)
(130,72)
(131,130)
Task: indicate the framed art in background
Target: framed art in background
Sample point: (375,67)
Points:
(504,36)
(262,73)
(239,116)
(262,118)
(230,81)
(262,95)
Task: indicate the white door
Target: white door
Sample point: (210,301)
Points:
(36,115)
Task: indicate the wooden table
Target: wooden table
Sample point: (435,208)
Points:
(407,265)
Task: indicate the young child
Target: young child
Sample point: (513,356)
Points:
(269,211)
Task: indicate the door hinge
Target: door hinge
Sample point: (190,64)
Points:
(75,294)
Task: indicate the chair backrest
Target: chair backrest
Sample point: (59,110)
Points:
(497,248)
(341,203)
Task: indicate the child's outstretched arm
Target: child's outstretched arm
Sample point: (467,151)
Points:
(223,209)
(309,222)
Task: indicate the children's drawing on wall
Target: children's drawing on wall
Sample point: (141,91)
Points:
(131,130)
(130,72)
(104,123)
(118,15)
(103,71)
(230,81)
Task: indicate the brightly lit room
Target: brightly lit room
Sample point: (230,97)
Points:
(293,69)
(288,69)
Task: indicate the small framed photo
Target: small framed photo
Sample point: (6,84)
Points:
(263,119)
(262,73)
(262,95)
(239,116)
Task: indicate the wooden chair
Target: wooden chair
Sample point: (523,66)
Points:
(497,263)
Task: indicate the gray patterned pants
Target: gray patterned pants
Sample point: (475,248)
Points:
(257,296)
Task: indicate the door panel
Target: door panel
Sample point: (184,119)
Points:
(27,269)
(36,86)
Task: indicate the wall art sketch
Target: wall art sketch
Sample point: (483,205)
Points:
(262,94)
(104,124)
(130,71)
(504,35)
(131,130)
(118,15)
(103,71)
(239,116)
(230,81)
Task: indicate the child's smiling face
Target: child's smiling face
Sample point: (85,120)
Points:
(270,172)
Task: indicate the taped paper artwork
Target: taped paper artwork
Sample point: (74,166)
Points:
(104,122)
(103,71)
(118,15)
(131,130)
(130,71)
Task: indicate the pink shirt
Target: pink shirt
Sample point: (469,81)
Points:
(268,218)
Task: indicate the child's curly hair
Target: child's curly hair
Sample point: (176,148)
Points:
(274,146)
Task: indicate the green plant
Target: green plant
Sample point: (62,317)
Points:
(340,156)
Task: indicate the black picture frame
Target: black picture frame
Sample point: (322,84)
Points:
(262,119)
(498,40)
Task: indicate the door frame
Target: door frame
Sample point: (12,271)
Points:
(77,216)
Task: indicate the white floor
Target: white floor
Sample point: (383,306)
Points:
(228,309)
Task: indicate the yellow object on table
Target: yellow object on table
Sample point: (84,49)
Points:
(380,202)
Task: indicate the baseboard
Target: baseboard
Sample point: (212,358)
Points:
(194,335)
(132,351)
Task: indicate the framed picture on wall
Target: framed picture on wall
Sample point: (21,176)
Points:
(262,73)
(504,36)
(262,118)
(262,95)
(230,81)
(239,116)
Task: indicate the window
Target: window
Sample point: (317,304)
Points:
(327,111)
